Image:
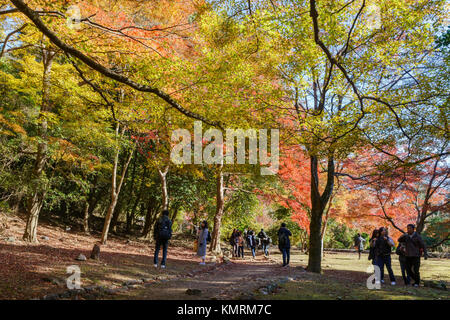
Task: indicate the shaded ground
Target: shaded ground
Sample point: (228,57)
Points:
(237,280)
(25,271)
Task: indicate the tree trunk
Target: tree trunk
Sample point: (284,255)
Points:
(36,199)
(215,237)
(318,204)
(165,195)
(324,225)
(115,188)
(108,217)
(175,211)
(128,213)
(116,215)
(86,218)
(152,213)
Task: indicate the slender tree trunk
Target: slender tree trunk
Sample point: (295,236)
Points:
(115,188)
(150,218)
(165,194)
(325,224)
(318,204)
(116,215)
(86,218)
(175,211)
(131,214)
(215,237)
(91,202)
(36,199)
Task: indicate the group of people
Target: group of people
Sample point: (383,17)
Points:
(239,239)
(162,232)
(248,238)
(410,248)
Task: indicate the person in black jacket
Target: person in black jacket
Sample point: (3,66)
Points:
(372,242)
(414,248)
(284,243)
(383,248)
(262,236)
(234,242)
(162,232)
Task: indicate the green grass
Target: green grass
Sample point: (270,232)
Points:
(344,277)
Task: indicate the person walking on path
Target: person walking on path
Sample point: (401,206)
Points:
(240,241)
(162,232)
(383,248)
(266,244)
(234,242)
(359,244)
(203,241)
(262,236)
(252,243)
(246,234)
(372,242)
(284,243)
(414,248)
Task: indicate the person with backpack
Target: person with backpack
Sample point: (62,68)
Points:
(262,236)
(383,248)
(203,237)
(414,248)
(266,243)
(252,243)
(162,232)
(284,243)
(359,244)
(401,252)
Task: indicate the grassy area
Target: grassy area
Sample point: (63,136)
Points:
(344,277)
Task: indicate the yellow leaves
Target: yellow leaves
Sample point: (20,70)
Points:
(66,151)
(10,128)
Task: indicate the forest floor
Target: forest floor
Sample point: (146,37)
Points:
(34,271)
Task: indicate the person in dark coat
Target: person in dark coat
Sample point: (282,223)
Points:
(372,242)
(162,232)
(383,249)
(414,248)
(262,236)
(284,243)
(234,242)
(252,243)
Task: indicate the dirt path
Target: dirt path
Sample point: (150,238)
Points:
(238,279)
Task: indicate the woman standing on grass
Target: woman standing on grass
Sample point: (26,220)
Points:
(372,242)
(383,248)
(202,241)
